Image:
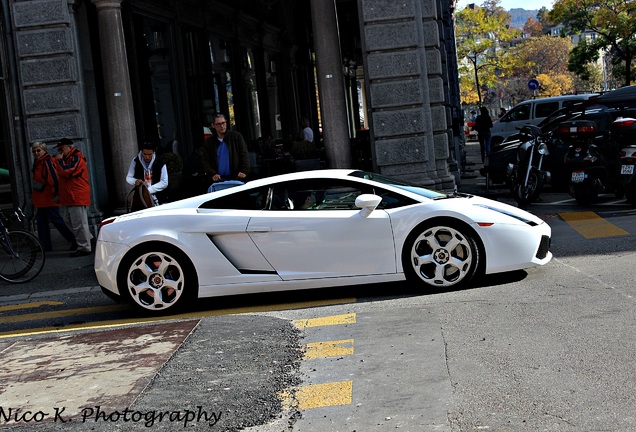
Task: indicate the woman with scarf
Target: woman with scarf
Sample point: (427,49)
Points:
(149,169)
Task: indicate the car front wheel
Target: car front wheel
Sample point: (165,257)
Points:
(157,279)
(440,255)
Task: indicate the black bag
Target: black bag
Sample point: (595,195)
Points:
(39,186)
(141,198)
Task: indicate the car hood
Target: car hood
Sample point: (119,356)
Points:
(506,210)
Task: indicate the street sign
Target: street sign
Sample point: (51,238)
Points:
(533,84)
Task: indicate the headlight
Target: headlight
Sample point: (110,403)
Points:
(543,149)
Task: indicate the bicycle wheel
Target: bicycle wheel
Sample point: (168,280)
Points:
(21,258)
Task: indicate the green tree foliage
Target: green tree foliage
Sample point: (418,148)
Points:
(483,34)
(614,23)
(542,17)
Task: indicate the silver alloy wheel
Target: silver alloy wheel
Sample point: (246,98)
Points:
(155,281)
(442,256)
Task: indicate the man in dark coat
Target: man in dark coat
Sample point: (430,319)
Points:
(225,153)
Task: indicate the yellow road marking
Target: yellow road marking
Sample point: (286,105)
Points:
(329,349)
(326,321)
(190,315)
(61,313)
(318,395)
(590,225)
(29,305)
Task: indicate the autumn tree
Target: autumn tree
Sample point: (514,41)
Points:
(546,56)
(483,33)
(613,21)
(532,28)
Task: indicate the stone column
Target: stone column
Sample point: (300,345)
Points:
(119,104)
(331,87)
(404,78)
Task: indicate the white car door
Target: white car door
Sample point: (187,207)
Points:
(332,238)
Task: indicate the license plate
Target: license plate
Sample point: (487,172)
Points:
(578,176)
(627,169)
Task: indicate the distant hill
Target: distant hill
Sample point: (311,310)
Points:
(520,16)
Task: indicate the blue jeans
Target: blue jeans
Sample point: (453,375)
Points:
(484,145)
(52,214)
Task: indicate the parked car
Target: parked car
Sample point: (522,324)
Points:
(603,110)
(311,229)
(532,111)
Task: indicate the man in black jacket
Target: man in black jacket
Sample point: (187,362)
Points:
(225,153)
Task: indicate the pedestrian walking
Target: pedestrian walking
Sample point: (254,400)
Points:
(75,193)
(45,198)
(225,153)
(483,124)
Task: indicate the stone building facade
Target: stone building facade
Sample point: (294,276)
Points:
(102,72)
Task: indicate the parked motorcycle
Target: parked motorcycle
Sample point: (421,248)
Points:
(593,166)
(526,178)
(623,132)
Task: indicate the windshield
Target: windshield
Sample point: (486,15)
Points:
(427,193)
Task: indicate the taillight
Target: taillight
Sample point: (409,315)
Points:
(576,129)
(628,152)
(106,222)
(625,122)
(586,129)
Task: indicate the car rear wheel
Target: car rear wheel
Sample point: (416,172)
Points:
(441,255)
(157,278)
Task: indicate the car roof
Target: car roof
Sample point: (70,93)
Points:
(618,95)
(577,97)
(330,173)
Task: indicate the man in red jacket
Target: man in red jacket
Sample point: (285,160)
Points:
(75,193)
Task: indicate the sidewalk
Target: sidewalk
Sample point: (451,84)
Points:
(60,273)
(471,181)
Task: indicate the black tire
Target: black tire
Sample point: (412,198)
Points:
(429,262)
(495,142)
(157,278)
(584,195)
(630,193)
(619,192)
(527,194)
(23,259)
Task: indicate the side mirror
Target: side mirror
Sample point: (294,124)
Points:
(368,203)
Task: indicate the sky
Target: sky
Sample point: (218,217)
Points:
(512,4)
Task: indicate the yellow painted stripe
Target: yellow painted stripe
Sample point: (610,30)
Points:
(191,315)
(29,305)
(591,225)
(318,395)
(326,321)
(62,313)
(329,349)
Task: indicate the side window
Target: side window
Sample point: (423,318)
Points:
(253,199)
(545,109)
(316,194)
(521,112)
(392,200)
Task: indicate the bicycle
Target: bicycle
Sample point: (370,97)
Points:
(21,253)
